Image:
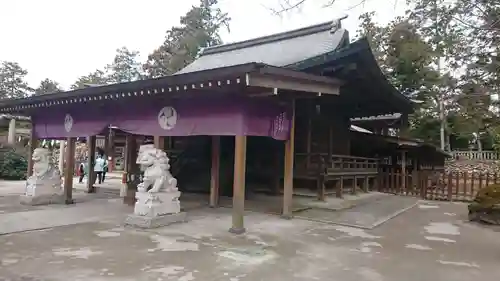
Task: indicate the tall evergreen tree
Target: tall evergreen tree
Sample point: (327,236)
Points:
(97,77)
(198,29)
(47,86)
(12,83)
(125,66)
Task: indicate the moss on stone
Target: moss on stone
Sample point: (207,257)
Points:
(488,196)
(486,205)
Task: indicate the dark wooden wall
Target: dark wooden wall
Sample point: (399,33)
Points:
(321,128)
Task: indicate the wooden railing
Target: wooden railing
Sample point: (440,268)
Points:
(335,172)
(436,184)
(476,155)
(351,165)
(320,163)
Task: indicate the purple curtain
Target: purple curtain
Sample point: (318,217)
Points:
(162,117)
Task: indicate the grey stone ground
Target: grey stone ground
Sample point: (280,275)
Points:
(431,241)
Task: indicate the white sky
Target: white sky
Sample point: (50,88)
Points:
(62,40)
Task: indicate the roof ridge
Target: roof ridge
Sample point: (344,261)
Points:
(332,25)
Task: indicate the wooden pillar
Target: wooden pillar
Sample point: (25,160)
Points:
(132,170)
(403,171)
(309,135)
(106,143)
(324,165)
(69,171)
(33,145)
(159,142)
(215,172)
(91,144)
(126,156)
(330,141)
(11,137)
(110,150)
(62,149)
(288,169)
(240,151)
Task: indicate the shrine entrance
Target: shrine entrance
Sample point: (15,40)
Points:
(219,111)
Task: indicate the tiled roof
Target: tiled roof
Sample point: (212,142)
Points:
(280,49)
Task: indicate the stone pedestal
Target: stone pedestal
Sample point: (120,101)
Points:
(45,185)
(156,209)
(154,222)
(44,199)
(157,197)
(43,192)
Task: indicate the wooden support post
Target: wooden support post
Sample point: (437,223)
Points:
(62,149)
(330,142)
(288,169)
(355,182)
(33,145)
(110,150)
(91,175)
(69,171)
(215,172)
(403,172)
(240,151)
(309,135)
(414,182)
(320,182)
(159,142)
(339,187)
(11,137)
(132,170)
(366,184)
(106,143)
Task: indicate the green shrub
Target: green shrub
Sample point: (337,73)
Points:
(486,198)
(13,165)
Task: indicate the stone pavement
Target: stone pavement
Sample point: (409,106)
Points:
(59,215)
(367,215)
(428,242)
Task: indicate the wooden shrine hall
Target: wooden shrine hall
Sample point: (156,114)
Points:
(275,110)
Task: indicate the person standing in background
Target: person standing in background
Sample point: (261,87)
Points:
(99,167)
(102,154)
(105,170)
(81,171)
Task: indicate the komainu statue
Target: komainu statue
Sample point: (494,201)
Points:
(157,195)
(45,185)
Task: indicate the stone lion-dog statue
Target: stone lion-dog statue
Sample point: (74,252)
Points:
(157,194)
(45,185)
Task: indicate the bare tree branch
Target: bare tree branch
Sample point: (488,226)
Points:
(289,5)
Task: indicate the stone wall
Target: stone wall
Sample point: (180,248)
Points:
(476,166)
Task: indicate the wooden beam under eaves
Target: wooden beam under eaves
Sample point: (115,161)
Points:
(281,82)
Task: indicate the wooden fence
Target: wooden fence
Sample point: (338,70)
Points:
(436,185)
(476,155)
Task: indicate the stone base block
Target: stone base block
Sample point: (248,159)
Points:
(154,222)
(44,199)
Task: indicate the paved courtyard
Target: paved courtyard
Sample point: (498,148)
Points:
(87,241)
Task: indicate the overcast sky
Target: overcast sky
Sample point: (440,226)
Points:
(62,40)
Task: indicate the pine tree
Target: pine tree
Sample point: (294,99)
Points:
(47,86)
(198,29)
(125,66)
(97,77)
(12,83)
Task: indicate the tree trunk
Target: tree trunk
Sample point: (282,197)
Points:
(479,143)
